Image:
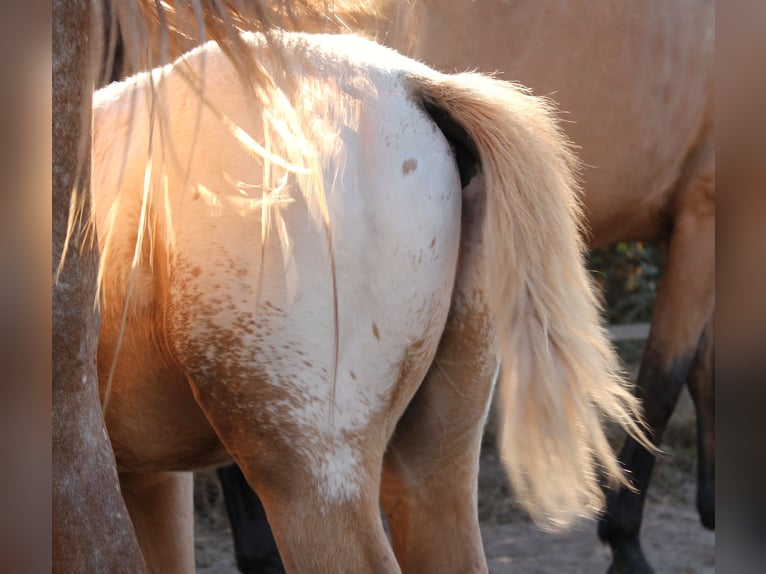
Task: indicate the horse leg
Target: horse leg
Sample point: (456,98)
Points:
(318,483)
(430,473)
(701,385)
(161,506)
(431,467)
(90,527)
(683,306)
(254,545)
(317,531)
(318,476)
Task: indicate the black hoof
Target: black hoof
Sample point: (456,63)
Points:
(629,559)
(706,506)
(708,519)
(265,569)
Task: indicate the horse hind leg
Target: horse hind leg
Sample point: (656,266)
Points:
(683,306)
(319,488)
(430,471)
(315,532)
(701,386)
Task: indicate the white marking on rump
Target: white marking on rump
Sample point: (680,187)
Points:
(338,473)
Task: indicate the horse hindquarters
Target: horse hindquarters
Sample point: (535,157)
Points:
(308,422)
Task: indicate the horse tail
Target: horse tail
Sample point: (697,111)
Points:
(560,376)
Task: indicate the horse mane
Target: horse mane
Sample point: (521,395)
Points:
(155,34)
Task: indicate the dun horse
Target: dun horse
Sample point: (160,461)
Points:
(315,272)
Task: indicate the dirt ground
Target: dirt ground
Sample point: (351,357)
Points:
(673,538)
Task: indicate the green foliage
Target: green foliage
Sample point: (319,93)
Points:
(628,274)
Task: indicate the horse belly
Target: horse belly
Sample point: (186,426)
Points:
(281,350)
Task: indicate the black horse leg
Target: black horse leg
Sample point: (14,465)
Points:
(254,546)
(701,385)
(682,309)
(621,524)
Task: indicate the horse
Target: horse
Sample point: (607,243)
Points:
(316,277)
(636,84)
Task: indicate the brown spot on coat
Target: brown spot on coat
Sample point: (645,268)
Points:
(409,165)
(375,331)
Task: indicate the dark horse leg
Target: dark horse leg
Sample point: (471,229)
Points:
(91,529)
(683,308)
(254,546)
(701,385)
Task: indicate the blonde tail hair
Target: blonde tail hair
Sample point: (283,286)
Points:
(560,376)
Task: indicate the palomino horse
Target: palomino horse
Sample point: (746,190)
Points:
(313,273)
(636,81)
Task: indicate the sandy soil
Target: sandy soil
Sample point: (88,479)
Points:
(673,538)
